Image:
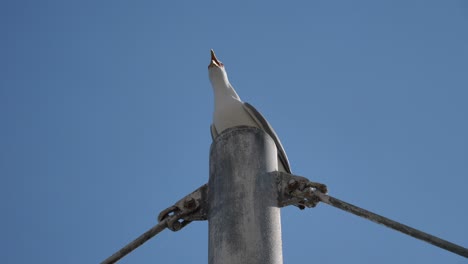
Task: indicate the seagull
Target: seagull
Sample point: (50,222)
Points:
(230,111)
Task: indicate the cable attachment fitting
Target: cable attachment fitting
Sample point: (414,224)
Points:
(192,207)
(298,191)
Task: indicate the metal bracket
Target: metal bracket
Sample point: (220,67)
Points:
(298,191)
(192,207)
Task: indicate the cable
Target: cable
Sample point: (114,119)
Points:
(393,224)
(137,242)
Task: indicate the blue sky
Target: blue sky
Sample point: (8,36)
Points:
(105,108)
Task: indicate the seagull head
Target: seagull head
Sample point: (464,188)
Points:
(217,73)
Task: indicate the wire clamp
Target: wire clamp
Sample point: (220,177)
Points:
(298,191)
(192,207)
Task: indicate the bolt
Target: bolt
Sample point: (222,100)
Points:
(189,203)
(292,185)
(176,226)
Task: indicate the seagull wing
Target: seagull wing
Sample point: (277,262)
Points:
(214,132)
(263,124)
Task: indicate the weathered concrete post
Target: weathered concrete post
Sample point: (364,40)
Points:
(244,219)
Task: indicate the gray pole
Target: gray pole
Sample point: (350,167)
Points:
(244,217)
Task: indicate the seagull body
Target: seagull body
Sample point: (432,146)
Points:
(230,111)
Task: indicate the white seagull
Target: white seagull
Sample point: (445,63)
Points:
(230,111)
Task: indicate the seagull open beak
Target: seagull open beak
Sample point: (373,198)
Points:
(214,60)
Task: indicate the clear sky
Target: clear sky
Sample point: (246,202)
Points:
(105,108)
